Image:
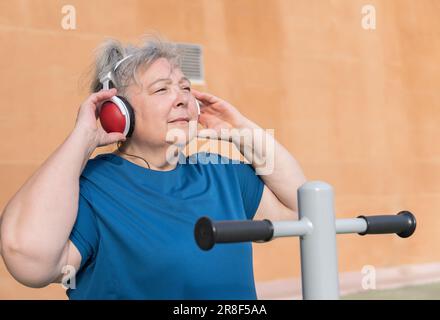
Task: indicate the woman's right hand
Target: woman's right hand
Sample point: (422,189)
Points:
(88,116)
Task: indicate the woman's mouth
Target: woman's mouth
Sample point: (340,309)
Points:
(181,120)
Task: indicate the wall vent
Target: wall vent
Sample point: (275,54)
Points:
(192,62)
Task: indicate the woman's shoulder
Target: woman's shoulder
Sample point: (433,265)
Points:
(98,163)
(99,159)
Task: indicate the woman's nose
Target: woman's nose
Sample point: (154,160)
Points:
(181,99)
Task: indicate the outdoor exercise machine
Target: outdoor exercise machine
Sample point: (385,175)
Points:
(317,229)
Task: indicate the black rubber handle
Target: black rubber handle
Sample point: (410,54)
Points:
(208,233)
(403,224)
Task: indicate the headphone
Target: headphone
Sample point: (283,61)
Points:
(117,114)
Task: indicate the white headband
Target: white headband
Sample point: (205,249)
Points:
(108,77)
(120,61)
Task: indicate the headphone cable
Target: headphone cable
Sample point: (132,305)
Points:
(131,155)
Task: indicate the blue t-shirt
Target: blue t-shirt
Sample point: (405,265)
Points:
(135,229)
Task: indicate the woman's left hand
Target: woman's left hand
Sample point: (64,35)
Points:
(217,114)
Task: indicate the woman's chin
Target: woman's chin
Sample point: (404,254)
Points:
(177,139)
(181,132)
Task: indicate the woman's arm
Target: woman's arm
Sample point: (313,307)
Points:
(37,221)
(278,169)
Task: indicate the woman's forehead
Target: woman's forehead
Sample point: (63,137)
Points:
(161,69)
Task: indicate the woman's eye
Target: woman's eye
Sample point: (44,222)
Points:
(161,89)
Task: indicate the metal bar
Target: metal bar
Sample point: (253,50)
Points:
(319,260)
(291,228)
(298,228)
(356,225)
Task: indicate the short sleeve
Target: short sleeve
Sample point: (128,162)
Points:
(251,186)
(85,234)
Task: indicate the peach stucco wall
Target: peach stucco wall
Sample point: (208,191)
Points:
(357,108)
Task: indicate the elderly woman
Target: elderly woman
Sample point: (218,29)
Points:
(124,221)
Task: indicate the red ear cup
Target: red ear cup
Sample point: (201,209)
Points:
(112,119)
(117,115)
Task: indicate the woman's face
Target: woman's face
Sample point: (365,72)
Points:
(164,97)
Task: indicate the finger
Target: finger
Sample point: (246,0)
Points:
(205,97)
(102,95)
(115,137)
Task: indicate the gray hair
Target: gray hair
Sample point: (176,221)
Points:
(112,51)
